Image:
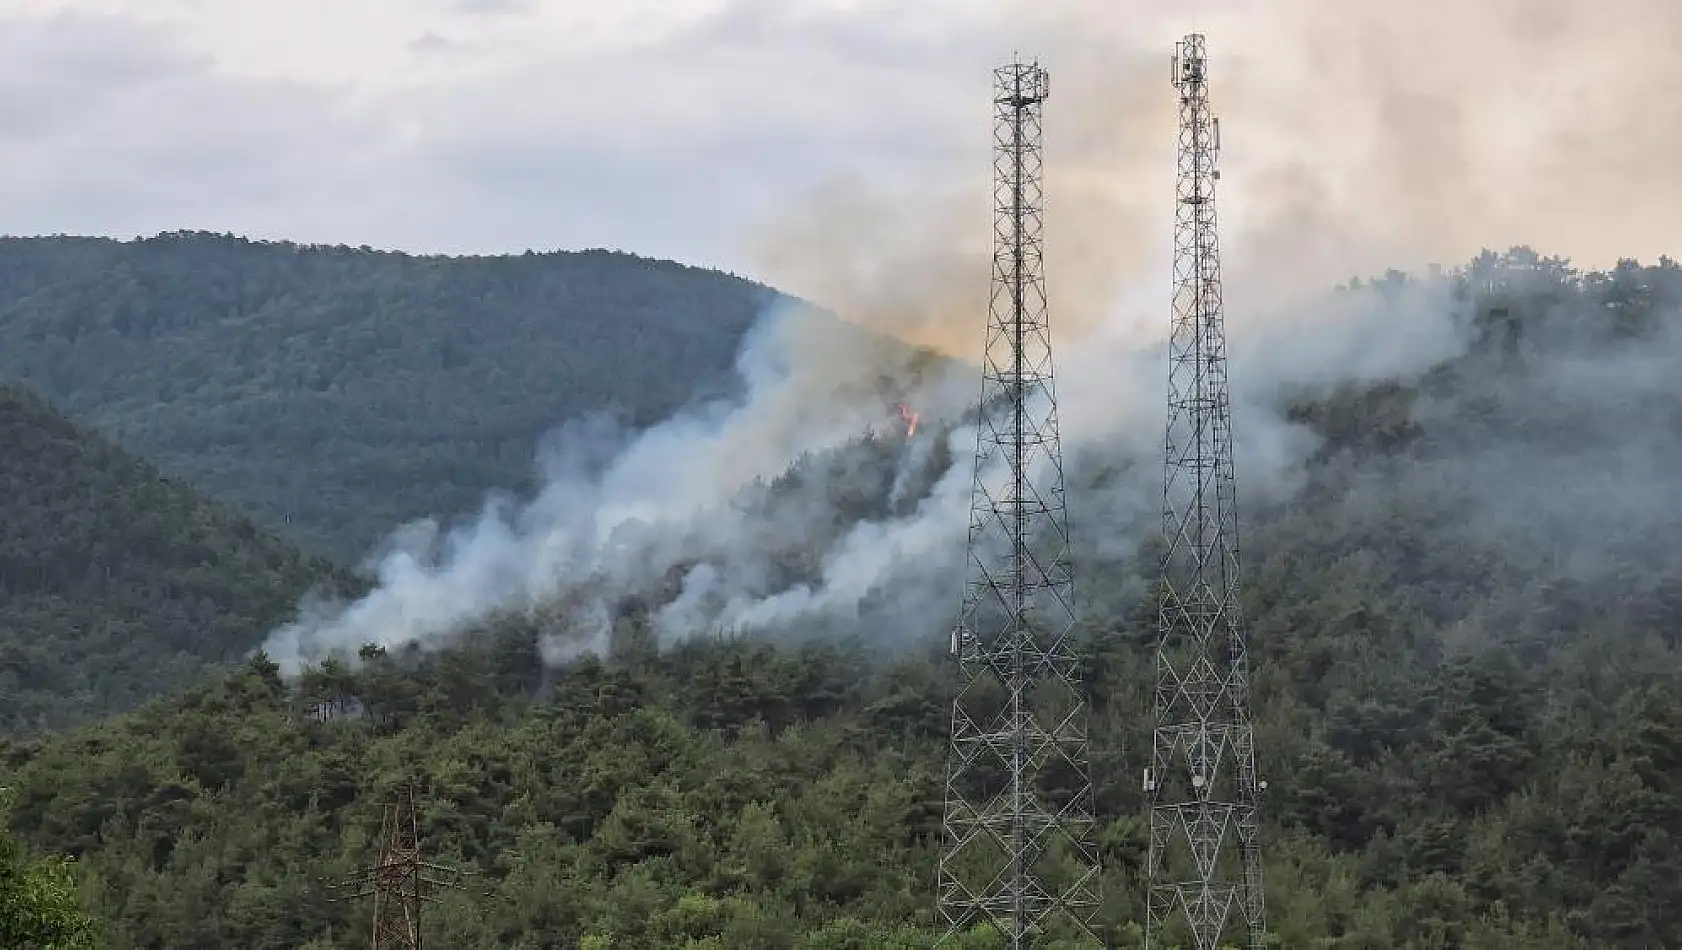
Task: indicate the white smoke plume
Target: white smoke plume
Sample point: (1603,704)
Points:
(621,511)
(1345,153)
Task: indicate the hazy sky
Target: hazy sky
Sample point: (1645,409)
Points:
(694,129)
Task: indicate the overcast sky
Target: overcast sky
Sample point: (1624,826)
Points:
(697,129)
(661,126)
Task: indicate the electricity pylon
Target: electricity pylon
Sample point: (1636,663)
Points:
(400,881)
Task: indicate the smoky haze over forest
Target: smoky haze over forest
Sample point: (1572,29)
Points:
(671,514)
(1565,454)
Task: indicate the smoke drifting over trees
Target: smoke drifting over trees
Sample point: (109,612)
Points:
(623,511)
(770,513)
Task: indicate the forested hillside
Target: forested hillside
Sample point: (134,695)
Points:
(343,391)
(1468,696)
(117,583)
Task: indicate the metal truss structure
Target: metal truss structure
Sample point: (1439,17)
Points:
(400,882)
(1018,853)
(1204,863)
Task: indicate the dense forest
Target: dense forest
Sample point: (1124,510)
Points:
(118,583)
(337,392)
(1468,695)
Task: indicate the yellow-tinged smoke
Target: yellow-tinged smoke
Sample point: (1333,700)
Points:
(1357,137)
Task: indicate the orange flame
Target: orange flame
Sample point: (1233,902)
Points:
(910,417)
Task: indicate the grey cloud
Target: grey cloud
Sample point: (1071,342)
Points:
(492,6)
(123,130)
(431,42)
(670,155)
(62,71)
(916,41)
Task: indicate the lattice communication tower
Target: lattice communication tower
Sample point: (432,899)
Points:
(1018,853)
(401,881)
(1204,864)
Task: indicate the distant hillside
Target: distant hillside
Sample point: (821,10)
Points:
(344,391)
(117,583)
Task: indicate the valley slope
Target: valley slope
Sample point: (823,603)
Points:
(118,583)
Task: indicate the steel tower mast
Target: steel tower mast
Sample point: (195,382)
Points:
(400,882)
(1205,851)
(1018,852)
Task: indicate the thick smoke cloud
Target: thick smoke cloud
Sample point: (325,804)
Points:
(1344,155)
(681,516)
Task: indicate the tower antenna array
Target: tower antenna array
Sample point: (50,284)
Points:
(1018,853)
(400,882)
(1204,864)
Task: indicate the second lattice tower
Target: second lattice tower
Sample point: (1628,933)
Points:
(1204,863)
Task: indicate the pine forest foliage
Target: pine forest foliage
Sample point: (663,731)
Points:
(1470,743)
